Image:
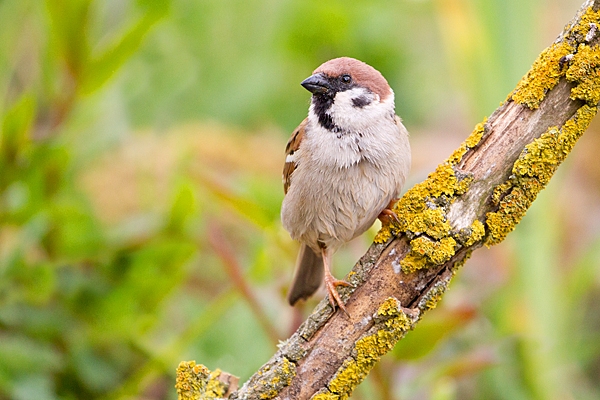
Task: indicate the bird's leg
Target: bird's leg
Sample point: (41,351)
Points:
(331,282)
(387,214)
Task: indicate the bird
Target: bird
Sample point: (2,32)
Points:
(345,166)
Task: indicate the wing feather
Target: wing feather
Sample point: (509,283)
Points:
(290,154)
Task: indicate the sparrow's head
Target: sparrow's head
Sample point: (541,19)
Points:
(345,89)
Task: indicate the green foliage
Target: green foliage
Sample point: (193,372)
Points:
(138,228)
(432,331)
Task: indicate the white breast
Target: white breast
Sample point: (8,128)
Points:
(343,180)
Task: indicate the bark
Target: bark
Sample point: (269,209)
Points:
(474,198)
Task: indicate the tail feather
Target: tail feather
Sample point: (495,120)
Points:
(308,275)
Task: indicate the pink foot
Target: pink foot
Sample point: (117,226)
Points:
(334,297)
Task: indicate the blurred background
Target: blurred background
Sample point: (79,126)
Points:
(140,185)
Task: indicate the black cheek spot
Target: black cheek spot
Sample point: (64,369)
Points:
(361,101)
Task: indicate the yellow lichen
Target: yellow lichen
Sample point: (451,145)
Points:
(394,317)
(499,192)
(325,396)
(532,171)
(413,262)
(462,261)
(385,233)
(477,233)
(276,377)
(472,141)
(417,216)
(458,154)
(417,209)
(195,381)
(442,182)
(426,252)
(214,387)
(542,77)
(512,208)
(463,185)
(394,322)
(580,31)
(584,69)
(422,209)
(432,302)
(422,212)
(583,66)
(475,136)
(539,160)
(433,296)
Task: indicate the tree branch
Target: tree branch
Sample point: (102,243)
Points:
(474,198)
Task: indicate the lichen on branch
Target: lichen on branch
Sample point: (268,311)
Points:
(422,212)
(532,172)
(578,63)
(195,382)
(391,324)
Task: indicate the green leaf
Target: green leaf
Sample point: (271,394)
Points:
(102,67)
(246,207)
(76,233)
(15,138)
(438,325)
(182,208)
(69,24)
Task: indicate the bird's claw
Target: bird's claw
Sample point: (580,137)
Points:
(334,297)
(388,214)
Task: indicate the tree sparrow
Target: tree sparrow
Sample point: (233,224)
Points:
(345,166)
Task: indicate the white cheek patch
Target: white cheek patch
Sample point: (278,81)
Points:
(345,101)
(346,114)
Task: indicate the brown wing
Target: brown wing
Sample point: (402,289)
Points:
(290,157)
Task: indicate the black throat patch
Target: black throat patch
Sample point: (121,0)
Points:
(323,103)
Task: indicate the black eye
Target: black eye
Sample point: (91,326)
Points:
(346,78)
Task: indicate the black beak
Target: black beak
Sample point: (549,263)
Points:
(316,83)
